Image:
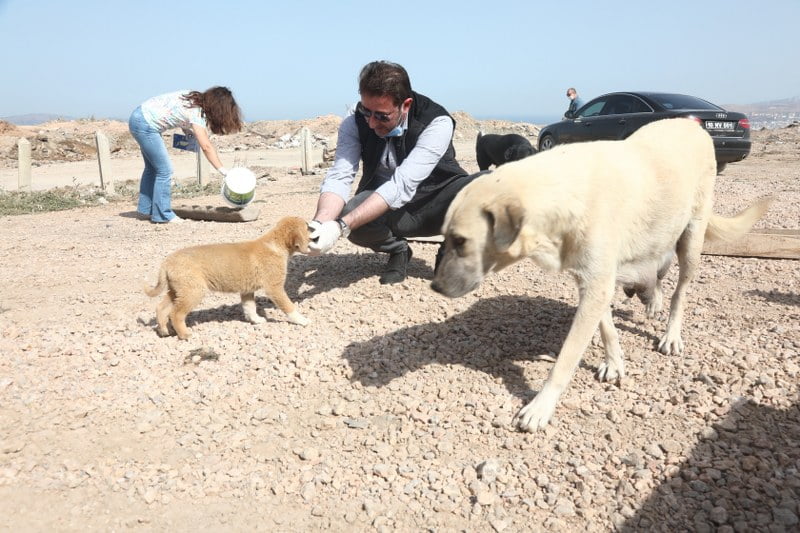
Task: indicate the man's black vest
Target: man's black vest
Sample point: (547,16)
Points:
(423,111)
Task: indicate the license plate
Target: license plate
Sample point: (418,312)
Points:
(725,126)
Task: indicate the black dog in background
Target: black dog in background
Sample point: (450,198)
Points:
(495,150)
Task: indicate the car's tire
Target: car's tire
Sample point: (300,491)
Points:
(546,143)
(721,167)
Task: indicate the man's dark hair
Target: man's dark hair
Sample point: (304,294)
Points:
(384,78)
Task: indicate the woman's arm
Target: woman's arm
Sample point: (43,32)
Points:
(205,144)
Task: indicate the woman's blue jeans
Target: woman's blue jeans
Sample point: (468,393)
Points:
(155,188)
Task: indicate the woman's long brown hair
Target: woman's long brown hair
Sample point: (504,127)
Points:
(219,109)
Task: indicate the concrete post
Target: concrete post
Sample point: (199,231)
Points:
(203,168)
(305,146)
(104,161)
(24,164)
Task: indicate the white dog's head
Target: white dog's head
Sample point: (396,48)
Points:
(480,228)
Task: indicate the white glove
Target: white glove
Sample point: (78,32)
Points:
(223,171)
(323,236)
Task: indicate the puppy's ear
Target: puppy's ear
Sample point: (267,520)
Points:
(301,237)
(505,218)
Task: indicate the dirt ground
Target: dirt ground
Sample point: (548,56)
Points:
(391,411)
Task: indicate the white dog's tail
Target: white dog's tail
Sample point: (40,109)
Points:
(728,229)
(160,285)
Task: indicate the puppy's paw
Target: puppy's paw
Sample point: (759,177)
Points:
(611,371)
(296,318)
(162,332)
(671,344)
(256,319)
(538,412)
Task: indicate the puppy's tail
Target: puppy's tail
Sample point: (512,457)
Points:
(160,285)
(728,229)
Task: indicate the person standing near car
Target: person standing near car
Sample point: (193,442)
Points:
(575,101)
(193,111)
(410,175)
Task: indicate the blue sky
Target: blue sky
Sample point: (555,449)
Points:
(300,59)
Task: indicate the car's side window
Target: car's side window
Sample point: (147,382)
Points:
(621,105)
(612,106)
(638,106)
(593,109)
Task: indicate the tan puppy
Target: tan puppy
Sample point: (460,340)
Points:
(242,267)
(606,211)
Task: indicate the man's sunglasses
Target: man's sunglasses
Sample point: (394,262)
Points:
(379,116)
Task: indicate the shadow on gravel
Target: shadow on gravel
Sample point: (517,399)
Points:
(490,337)
(321,274)
(624,320)
(745,477)
(783,298)
(130,214)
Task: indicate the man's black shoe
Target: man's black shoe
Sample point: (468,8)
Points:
(396,267)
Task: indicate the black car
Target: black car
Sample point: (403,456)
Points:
(614,116)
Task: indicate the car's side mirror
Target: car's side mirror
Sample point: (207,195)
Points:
(569,114)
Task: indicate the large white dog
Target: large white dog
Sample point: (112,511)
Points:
(608,212)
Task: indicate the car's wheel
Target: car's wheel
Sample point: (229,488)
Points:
(547,142)
(721,167)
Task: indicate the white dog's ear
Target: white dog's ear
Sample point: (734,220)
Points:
(505,217)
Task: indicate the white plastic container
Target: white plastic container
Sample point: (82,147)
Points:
(239,187)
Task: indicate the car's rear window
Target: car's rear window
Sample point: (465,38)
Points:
(682,101)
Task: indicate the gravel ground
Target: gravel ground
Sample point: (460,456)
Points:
(392,410)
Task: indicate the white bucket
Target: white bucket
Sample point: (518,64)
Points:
(239,187)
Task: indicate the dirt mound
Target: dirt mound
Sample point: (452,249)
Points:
(468,127)
(83,127)
(783,142)
(75,140)
(323,126)
(7,128)
(282,134)
(64,141)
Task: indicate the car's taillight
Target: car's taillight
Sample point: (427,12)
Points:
(744,123)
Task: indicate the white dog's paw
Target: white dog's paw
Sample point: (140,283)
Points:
(296,318)
(671,344)
(538,412)
(611,371)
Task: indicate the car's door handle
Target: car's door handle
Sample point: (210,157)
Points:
(622,121)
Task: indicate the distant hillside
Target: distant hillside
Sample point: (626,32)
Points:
(784,106)
(34,118)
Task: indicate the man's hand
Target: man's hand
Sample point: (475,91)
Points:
(323,236)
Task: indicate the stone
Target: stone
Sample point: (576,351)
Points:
(487,471)
(485,497)
(218,213)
